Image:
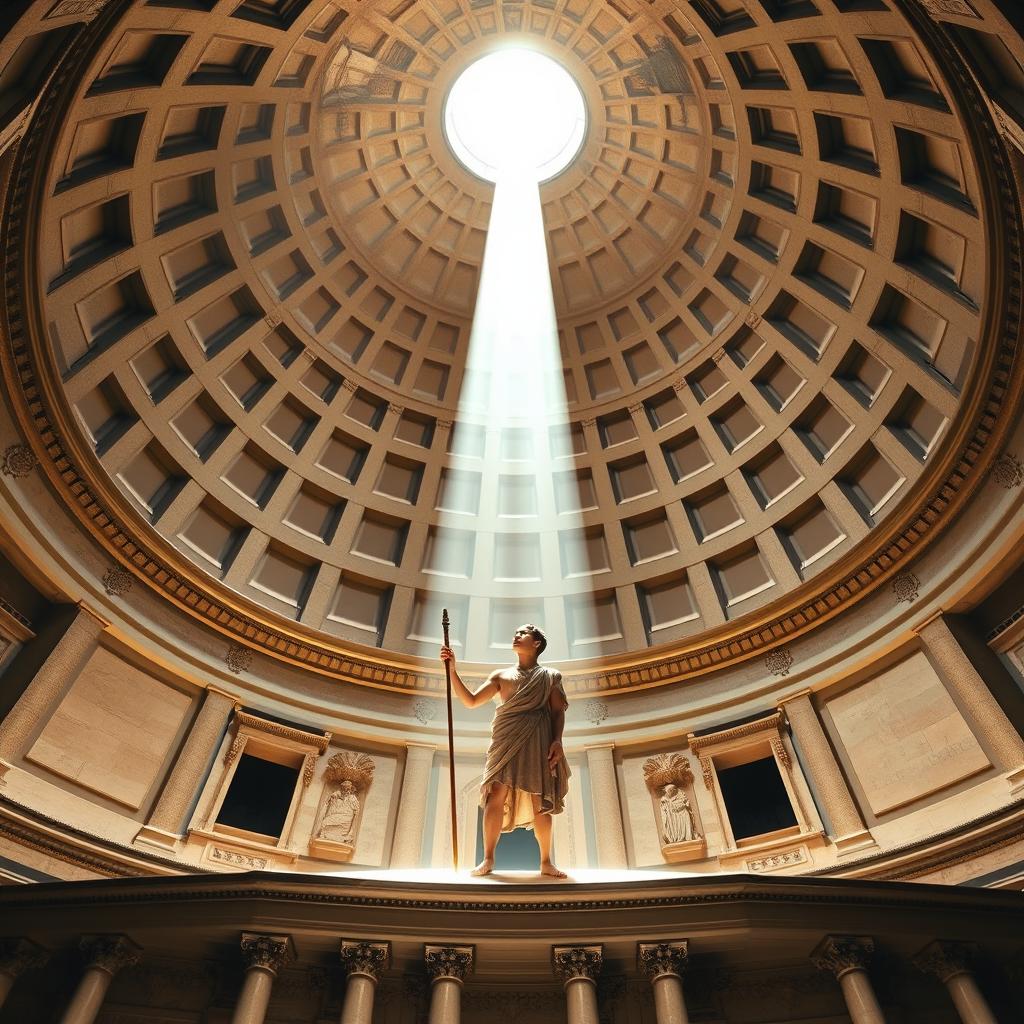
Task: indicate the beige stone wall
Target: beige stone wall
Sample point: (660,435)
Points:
(113,730)
(904,736)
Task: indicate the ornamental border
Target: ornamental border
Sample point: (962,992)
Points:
(995,387)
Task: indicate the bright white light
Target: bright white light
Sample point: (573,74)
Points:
(515,113)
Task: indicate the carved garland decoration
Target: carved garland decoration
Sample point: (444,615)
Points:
(995,388)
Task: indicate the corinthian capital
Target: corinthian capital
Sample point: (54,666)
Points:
(369,958)
(945,959)
(657,958)
(842,953)
(110,953)
(448,961)
(267,952)
(18,955)
(574,962)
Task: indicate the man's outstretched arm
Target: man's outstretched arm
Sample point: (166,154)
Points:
(469,698)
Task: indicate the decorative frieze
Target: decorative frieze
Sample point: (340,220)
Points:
(783,859)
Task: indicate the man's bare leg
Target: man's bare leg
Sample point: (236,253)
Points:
(542,830)
(494,811)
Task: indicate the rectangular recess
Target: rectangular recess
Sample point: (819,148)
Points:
(101,147)
(771,475)
(181,200)
(202,425)
(847,212)
(806,328)
(106,414)
(217,325)
(111,313)
(343,456)
(248,380)
(140,60)
(380,537)
(686,455)
(153,479)
(230,62)
(649,537)
(93,234)
(400,479)
(214,534)
(254,475)
(196,264)
(665,605)
(161,368)
(822,428)
(360,609)
(449,552)
(846,140)
(191,130)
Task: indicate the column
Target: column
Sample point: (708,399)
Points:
(105,955)
(611,842)
(412,806)
(44,693)
(847,957)
(849,833)
(167,818)
(950,962)
(987,717)
(664,963)
(264,956)
(578,968)
(447,967)
(17,956)
(363,962)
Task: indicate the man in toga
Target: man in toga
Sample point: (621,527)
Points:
(526,776)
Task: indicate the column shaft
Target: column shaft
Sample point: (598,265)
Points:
(611,841)
(446,1001)
(88,998)
(358,1005)
(969,1001)
(190,767)
(6,984)
(987,717)
(821,764)
(860,997)
(254,998)
(42,695)
(581,1002)
(669,1004)
(412,806)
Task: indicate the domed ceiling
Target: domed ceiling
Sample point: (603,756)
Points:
(257,266)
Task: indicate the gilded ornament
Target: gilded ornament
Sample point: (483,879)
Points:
(779,661)
(904,587)
(19,460)
(1008,471)
(117,581)
(238,658)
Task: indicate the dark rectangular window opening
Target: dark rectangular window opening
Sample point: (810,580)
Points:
(755,797)
(259,796)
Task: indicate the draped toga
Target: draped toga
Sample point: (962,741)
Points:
(518,755)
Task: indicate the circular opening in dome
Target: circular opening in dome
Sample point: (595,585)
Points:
(515,113)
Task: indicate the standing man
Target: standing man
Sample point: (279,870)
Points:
(526,776)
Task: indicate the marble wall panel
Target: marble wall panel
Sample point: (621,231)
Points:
(904,736)
(113,730)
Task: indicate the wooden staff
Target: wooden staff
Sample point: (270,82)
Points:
(451,746)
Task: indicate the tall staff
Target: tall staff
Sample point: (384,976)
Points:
(451,746)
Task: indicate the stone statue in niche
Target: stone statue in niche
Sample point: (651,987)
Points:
(339,820)
(668,777)
(676,816)
(348,777)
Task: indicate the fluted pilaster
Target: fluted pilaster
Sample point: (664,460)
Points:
(611,840)
(412,806)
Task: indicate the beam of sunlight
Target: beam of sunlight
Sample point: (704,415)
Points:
(510,544)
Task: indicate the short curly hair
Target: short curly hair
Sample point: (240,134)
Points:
(538,634)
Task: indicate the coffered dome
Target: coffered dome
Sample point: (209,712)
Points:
(777,278)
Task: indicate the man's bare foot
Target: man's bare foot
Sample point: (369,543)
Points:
(549,869)
(483,868)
